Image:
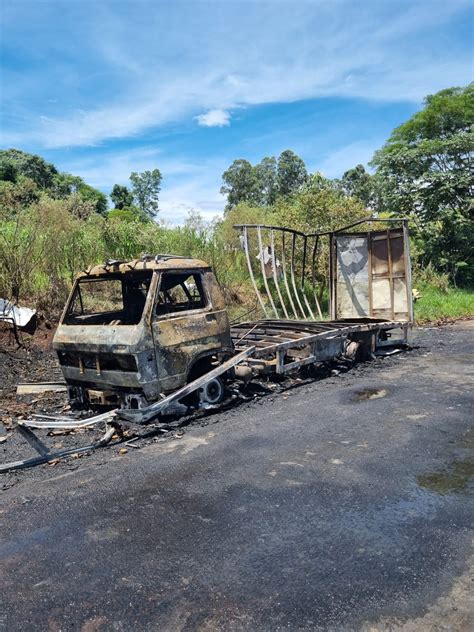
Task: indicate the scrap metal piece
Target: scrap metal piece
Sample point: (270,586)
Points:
(30,388)
(305,298)
(20,316)
(285,277)
(50,456)
(313,276)
(67,424)
(292,274)
(33,440)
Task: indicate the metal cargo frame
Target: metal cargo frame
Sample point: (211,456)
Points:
(290,281)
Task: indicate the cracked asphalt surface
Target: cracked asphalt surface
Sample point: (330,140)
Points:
(346,504)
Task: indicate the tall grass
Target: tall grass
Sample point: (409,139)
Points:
(437,304)
(43,247)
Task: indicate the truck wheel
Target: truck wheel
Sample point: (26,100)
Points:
(212,392)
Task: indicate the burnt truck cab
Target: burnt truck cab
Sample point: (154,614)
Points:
(133,331)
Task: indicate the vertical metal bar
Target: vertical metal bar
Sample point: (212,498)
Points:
(332,275)
(390,275)
(262,265)
(308,306)
(313,276)
(275,277)
(285,278)
(280,358)
(252,278)
(371,298)
(292,271)
(305,245)
(407,257)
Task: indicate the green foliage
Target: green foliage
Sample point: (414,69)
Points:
(14,161)
(320,206)
(291,173)
(65,184)
(89,194)
(266,173)
(25,178)
(358,183)
(8,170)
(426,169)
(121,196)
(262,184)
(146,187)
(241,184)
(128,214)
(17,195)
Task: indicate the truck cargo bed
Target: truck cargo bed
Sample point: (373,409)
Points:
(284,345)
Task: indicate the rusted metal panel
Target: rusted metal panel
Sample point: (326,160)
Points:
(147,262)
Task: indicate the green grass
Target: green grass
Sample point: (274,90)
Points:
(437,304)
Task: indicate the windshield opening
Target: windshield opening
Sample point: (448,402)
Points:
(109,300)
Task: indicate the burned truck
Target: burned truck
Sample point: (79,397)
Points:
(132,331)
(137,335)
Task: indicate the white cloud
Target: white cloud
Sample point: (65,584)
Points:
(214,118)
(157,74)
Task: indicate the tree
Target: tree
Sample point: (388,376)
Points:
(266,173)
(34,167)
(65,184)
(146,187)
(8,170)
(121,196)
(260,185)
(129,214)
(241,184)
(358,183)
(96,197)
(427,169)
(291,173)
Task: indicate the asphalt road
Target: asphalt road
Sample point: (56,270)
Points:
(346,504)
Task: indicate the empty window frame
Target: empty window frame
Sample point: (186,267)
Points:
(179,292)
(114,301)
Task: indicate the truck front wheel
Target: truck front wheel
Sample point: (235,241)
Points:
(212,392)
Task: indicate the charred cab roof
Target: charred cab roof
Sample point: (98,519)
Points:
(147,262)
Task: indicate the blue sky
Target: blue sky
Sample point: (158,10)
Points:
(105,88)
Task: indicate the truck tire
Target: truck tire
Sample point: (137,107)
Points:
(213,392)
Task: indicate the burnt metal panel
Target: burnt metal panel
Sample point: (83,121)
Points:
(371,275)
